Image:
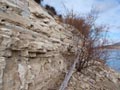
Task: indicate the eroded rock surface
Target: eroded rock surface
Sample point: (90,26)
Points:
(31,51)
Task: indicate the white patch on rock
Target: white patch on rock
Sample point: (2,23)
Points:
(25,75)
(22,73)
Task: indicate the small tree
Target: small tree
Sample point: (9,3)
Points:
(93,39)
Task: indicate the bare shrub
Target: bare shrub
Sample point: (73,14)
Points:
(93,39)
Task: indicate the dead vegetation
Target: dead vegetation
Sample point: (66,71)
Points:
(93,38)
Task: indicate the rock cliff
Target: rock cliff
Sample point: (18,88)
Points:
(32,52)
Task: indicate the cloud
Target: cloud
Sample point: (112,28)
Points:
(105,5)
(109,11)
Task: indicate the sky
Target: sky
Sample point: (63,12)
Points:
(109,12)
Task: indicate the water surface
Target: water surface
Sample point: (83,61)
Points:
(114,59)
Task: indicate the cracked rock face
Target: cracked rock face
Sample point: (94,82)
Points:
(31,46)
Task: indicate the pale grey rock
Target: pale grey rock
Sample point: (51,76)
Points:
(36,45)
(24,53)
(7,53)
(6,31)
(5,42)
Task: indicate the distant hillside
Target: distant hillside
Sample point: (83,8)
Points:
(116,44)
(113,46)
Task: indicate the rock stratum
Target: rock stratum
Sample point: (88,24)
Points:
(32,52)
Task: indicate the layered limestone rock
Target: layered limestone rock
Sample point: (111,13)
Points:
(32,44)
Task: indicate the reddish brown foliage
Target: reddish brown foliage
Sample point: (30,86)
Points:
(92,39)
(79,23)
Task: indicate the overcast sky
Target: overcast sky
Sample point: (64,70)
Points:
(109,12)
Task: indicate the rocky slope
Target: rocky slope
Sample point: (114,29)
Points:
(32,52)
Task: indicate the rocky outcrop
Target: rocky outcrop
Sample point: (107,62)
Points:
(95,78)
(32,44)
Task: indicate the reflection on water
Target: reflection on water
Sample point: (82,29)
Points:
(114,59)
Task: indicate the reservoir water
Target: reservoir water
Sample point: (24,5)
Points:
(114,59)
